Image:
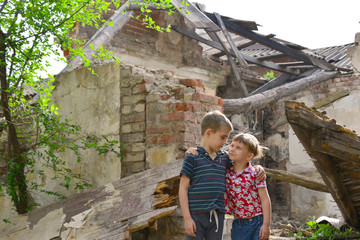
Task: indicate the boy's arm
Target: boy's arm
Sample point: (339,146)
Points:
(190,227)
(266,206)
(260,173)
(192,150)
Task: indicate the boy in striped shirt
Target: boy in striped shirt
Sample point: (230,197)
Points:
(203,180)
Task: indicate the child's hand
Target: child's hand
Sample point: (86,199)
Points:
(192,150)
(260,173)
(190,227)
(264,232)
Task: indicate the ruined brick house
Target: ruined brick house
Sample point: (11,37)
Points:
(153,103)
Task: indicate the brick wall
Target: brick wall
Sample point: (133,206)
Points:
(160,116)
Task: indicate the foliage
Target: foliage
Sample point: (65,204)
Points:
(322,231)
(269,75)
(26,31)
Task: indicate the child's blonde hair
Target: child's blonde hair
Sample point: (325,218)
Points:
(252,143)
(215,120)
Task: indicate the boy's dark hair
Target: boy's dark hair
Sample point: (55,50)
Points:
(252,143)
(215,120)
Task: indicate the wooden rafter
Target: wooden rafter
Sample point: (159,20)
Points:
(218,46)
(275,45)
(243,44)
(195,16)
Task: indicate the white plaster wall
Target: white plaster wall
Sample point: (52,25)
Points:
(93,102)
(346,111)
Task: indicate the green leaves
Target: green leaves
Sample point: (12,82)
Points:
(322,231)
(269,75)
(39,135)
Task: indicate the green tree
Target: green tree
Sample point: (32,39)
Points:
(26,31)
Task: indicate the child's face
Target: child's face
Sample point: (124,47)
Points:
(239,152)
(219,138)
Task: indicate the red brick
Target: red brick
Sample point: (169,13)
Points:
(173,138)
(164,97)
(192,82)
(176,116)
(156,129)
(152,140)
(178,126)
(140,88)
(190,117)
(184,107)
(197,107)
(205,98)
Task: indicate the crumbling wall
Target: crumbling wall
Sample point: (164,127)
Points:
(155,114)
(286,152)
(160,116)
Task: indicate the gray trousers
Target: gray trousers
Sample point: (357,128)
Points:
(209,226)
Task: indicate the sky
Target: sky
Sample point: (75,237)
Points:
(310,23)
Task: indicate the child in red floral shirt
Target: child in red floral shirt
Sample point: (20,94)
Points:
(246,198)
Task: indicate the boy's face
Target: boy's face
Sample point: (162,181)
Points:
(219,138)
(239,152)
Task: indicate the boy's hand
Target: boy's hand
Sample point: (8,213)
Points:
(260,176)
(264,232)
(192,150)
(190,227)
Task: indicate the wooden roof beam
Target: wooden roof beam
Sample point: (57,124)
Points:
(218,46)
(195,16)
(274,45)
(243,44)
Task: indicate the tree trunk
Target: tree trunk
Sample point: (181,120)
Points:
(15,179)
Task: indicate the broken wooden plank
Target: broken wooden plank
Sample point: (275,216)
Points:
(285,176)
(329,172)
(112,211)
(250,59)
(337,144)
(234,69)
(242,62)
(195,16)
(330,99)
(102,36)
(261,100)
(304,121)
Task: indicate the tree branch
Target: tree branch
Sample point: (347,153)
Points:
(56,26)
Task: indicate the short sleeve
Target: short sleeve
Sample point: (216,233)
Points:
(260,184)
(188,166)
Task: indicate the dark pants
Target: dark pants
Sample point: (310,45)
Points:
(246,228)
(206,230)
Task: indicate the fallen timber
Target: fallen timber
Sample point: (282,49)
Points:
(260,100)
(113,211)
(335,151)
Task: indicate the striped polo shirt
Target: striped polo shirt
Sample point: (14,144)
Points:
(207,180)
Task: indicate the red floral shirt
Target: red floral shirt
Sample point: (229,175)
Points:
(241,196)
